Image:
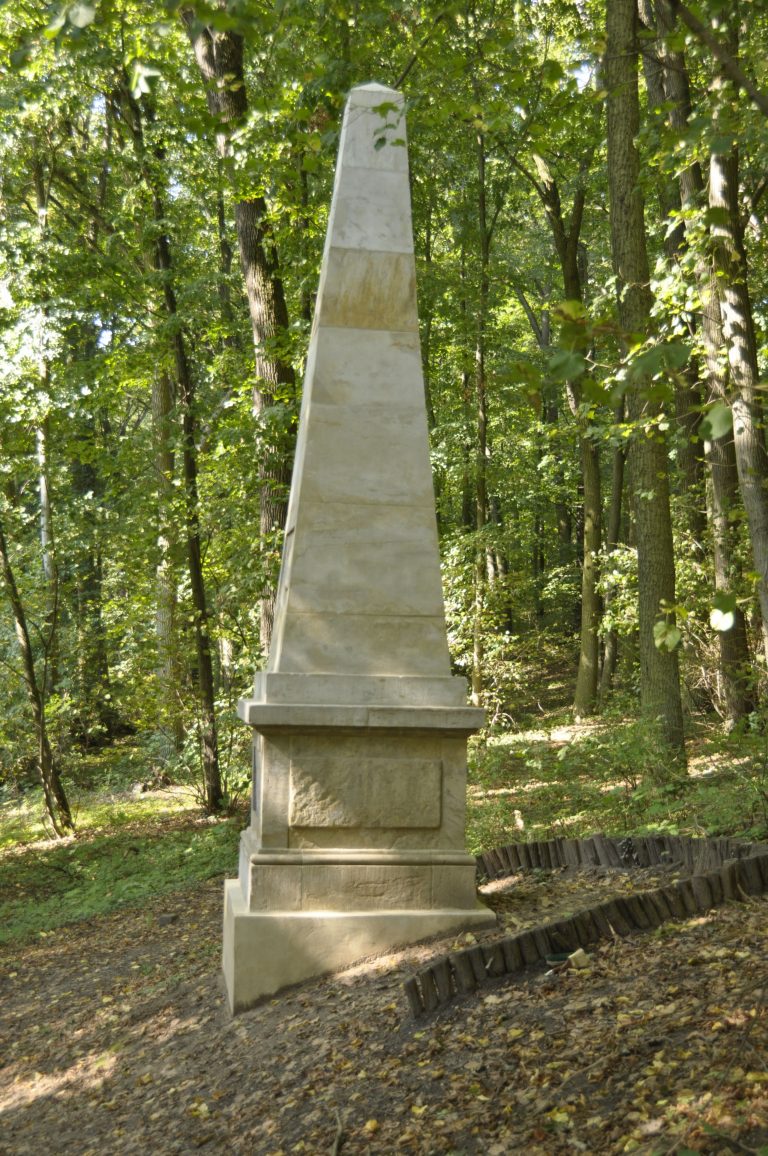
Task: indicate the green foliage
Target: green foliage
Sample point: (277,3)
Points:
(616,778)
(500,98)
(133,852)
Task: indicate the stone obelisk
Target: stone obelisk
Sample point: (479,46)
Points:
(356,839)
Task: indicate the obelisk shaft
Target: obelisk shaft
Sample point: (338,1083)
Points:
(360,589)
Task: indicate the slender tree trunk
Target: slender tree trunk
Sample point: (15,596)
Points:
(667,87)
(734,656)
(737,691)
(169,711)
(481,443)
(47,553)
(47,545)
(585,695)
(659,671)
(94,692)
(56,803)
(468,511)
(213,791)
(219,56)
(730,269)
(426,317)
(612,539)
(566,240)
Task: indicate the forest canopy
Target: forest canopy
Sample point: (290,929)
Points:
(588,184)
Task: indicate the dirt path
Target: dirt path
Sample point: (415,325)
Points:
(115,1039)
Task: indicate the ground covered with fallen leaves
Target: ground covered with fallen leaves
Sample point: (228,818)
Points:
(116,1039)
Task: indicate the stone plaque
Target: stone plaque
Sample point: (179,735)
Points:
(374,792)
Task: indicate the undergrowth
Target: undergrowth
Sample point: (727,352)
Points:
(45,885)
(615,777)
(560,779)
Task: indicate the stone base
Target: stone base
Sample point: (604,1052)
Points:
(267,951)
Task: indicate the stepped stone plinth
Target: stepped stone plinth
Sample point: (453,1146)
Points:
(356,839)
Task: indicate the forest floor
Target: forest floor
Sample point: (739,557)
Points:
(116,1039)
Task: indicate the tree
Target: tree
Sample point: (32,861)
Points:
(659,670)
(56,802)
(669,87)
(219,55)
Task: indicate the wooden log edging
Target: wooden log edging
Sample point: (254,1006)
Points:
(463,972)
(700,855)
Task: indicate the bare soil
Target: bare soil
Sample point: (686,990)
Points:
(116,1039)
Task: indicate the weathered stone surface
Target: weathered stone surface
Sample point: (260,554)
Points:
(341,689)
(264,952)
(356,840)
(383,792)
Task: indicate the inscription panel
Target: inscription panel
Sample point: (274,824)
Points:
(371,792)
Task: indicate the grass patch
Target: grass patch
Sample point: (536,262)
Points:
(23,820)
(614,777)
(148,851)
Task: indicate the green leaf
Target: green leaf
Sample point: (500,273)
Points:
(724,600)
(676,354)
(666,636)
(716,215)
(141,74)
(565,365)
(717,421)
(56,25)
(571,310)
(668,355)
(552,71)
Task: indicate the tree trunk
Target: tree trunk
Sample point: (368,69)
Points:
(481,436)
(47,551)
(585,695)
(736,686)
(169,711)
(212,787)
(219,56)
(56,803)
(730,268)
(735,690)
(612,539)
(96,709)
(666,83)
(659,671)
(566,240)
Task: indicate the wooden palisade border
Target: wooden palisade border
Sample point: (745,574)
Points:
(721,870)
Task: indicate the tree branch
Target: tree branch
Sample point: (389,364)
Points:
(729,64)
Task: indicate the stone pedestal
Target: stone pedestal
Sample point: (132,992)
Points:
(356,840)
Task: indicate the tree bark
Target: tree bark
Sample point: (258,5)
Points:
(96,709)
(566,239)
(729,261)
(47,550)
(219,56)
(666,82)
(659,670)
(212,786)
(612,539)
(169,712)
(734,687)
(56,802)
